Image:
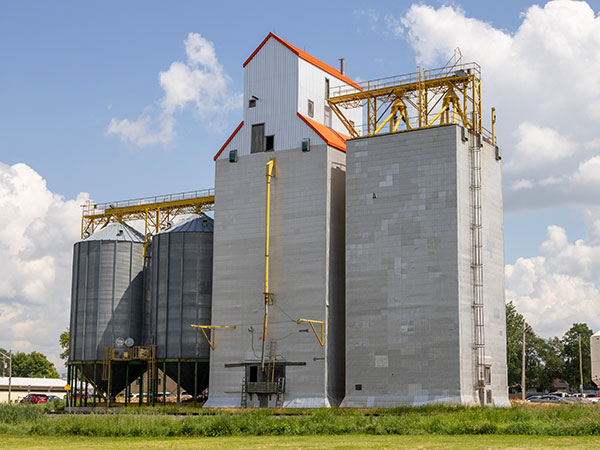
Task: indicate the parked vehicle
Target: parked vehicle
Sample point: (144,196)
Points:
(137,396)
(159,395)
(35,398)
(548,399)
(52,398)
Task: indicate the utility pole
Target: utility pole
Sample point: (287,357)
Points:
(9,357)
(580,366)
(523,387)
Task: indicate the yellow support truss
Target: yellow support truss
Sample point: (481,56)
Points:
(156,212)
(211,339)
(320,337)
(425,98)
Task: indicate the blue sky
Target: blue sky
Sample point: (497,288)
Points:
(69,68)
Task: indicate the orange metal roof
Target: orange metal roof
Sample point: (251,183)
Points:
(332,137)
(228,140)
(305,56)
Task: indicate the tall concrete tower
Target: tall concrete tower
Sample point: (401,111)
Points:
(279,263)
(425,311)
(411,311)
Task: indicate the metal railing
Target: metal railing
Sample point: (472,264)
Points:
(92,208)
(408,78)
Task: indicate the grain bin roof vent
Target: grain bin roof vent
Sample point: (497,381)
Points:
(117,231)
(199,223)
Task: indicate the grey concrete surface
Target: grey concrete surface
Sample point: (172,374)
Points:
(306,274)
(409,319)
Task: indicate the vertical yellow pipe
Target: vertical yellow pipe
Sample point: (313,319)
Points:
(270,172)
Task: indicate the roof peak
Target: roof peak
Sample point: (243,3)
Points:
(305,56)
(116,231)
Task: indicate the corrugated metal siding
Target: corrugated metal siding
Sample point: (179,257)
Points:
(272,76)
(311,85)
(182,293)
(107,296)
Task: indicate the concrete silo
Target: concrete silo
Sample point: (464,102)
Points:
(271,357)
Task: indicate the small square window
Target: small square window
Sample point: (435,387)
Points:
(358,387)
(233,156)
(327,116)
(487,374)
(252,103)
(311,109)
(306,145)
(269,143)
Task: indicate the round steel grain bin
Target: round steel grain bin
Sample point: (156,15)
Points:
(181,295)
(106,297)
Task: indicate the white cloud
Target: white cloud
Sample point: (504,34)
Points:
(145,130)
(370,17)
(538,146)
(588,173)
(543,80)
(37,232)
(200,81)
(521,184)
(559,287)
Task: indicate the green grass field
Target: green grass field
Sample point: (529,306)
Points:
(523,426)
(305,442)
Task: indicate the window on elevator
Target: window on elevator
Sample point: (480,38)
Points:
(269,143)
(327,116)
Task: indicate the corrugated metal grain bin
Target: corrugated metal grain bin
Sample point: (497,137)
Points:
(181,292)
(106,298)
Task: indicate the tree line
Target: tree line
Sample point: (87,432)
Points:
(546,360)
(29,365)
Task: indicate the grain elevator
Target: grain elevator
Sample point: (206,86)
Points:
(356,257)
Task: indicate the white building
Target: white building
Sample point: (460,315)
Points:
(21,386)
(285,92)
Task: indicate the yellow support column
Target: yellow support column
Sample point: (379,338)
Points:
(494,126)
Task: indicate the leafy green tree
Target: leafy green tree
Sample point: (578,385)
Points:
(514,350)
(34,365)
(63,340)
(570,354)
(552,363)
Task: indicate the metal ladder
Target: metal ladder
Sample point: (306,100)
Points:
(244,402)
(279,399)
(106,359)
(477,263)
(152,374)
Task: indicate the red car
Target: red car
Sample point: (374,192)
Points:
(35,398)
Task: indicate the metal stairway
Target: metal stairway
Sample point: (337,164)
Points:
(244,402)
(280,389)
